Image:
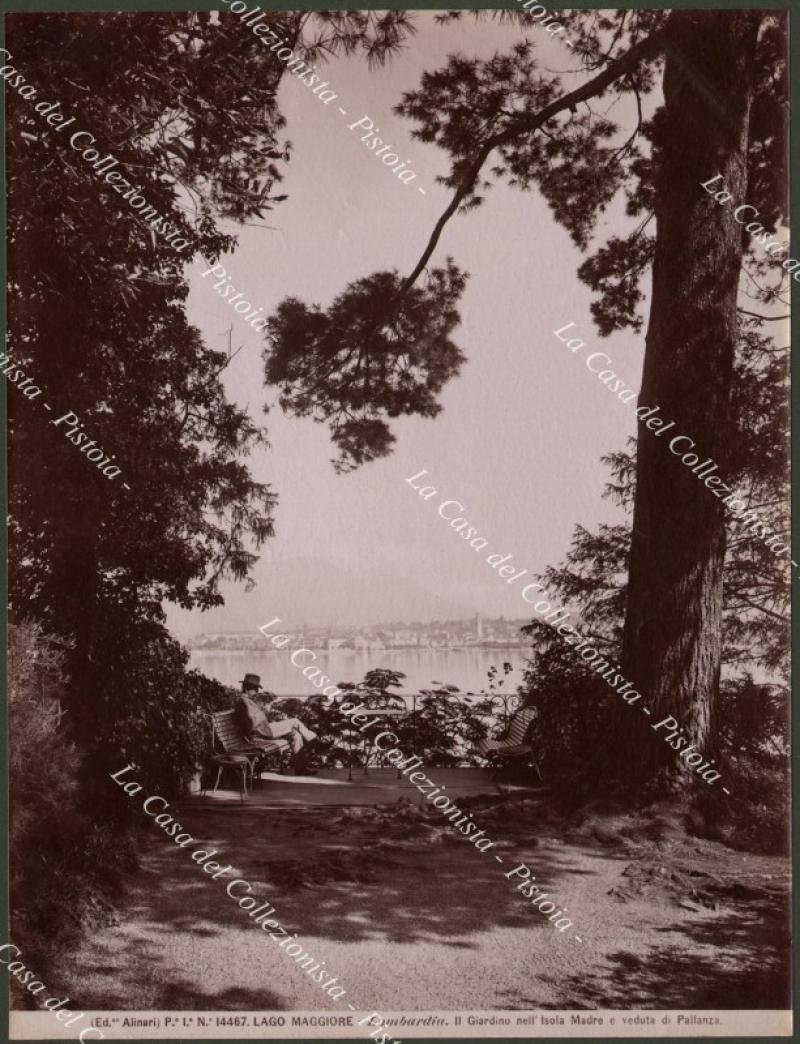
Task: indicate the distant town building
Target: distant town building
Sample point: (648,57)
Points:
(489,633)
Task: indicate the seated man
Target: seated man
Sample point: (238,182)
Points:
(255,725)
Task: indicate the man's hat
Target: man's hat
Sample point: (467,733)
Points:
(251,679)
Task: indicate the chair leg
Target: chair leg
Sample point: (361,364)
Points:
(219,777)
(243,791)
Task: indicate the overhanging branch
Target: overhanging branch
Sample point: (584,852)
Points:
(647,48)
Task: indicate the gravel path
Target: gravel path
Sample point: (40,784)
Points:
(413,917)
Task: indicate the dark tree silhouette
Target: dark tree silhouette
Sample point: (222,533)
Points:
(186,103)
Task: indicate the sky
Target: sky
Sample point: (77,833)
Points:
(523,428)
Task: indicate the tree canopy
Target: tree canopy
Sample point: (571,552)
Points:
(186,102)
(510,111)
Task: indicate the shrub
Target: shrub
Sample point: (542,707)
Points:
(443,731)
(571,730)
(62,868)
(754,745)
(153,714)
(574,742)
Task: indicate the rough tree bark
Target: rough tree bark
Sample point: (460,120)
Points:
(672,641)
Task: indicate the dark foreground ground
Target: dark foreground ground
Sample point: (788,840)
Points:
(410,916)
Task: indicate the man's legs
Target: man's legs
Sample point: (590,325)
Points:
(292,729)
(304,731)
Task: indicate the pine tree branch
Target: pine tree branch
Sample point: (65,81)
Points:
(746,602)
(766,318)
(647,48)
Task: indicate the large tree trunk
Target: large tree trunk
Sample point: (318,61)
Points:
(672,642)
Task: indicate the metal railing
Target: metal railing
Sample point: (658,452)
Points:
(508,699)
(409,707)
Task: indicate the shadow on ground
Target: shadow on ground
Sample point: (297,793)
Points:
(737,960)
(424,902)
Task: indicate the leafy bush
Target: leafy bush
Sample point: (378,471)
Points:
(574,744)
(72,839)
(572,729)
(447,726)
(62,867)
(754,741)
(444,730)
(153,714)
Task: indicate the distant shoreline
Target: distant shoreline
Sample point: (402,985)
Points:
(488,634)
(468,667)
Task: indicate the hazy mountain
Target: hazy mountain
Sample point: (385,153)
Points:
(318,592)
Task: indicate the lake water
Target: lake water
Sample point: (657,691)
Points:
(465,668)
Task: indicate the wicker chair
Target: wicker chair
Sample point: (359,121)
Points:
(513,745)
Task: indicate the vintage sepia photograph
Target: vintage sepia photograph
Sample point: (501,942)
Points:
(398,526)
